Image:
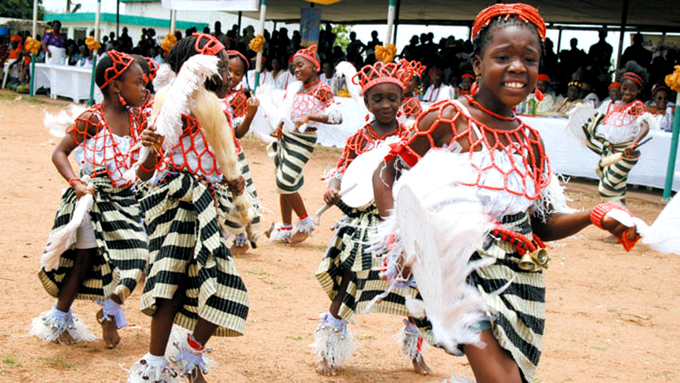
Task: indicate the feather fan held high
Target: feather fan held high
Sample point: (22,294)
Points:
(187,93)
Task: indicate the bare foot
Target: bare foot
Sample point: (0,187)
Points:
(268,232)
(324,369)
(64,338)
(199,377)
(109,331)
(299,237)
(419,365)
(239,250)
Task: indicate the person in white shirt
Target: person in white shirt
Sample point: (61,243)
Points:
(286,78)
(328,76)
(437,90)
(265,76)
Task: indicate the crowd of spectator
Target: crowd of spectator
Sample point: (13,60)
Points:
(572,74)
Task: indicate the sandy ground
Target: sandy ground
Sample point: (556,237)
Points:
(612,316)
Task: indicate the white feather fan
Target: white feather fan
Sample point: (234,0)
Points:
(58,124)
(578,116)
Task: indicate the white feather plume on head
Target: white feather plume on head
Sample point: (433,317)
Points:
(164,77)
(58,124)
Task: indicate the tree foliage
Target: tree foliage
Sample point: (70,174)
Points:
(342,32)
(20,9)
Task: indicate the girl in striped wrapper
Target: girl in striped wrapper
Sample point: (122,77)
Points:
(345,272)
(310,103)
(504,161)
(619,129)
(242,108)
(192,279)
(109,254)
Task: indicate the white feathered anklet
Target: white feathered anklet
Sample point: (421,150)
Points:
(50,326)
(333,341)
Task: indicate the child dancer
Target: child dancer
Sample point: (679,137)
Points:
(312,104)
(108,258)
(510,174)
(619,130)
(242,109)
(345,272)
(192,280)
(411,107)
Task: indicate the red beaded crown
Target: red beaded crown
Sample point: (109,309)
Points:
(212,47)
(380,73)
(121,62)
(309,54)
(524,12)
(412,68)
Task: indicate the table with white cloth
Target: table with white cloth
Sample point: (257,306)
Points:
(66,81)
(570,157)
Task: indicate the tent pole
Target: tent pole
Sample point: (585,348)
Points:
(670,170)
(117,17)
(94,52)
(624,19)
(238,33)
(35,34)
(173,20)
(396,22)
(559,41)
(260,31)
(390,21)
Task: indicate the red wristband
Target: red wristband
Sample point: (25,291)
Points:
(72,179)
(602,209)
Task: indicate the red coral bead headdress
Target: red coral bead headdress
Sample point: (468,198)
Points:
(524,12)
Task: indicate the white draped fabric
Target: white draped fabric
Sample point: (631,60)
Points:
(66,81)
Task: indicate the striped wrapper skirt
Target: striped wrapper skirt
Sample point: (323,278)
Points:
(232,225)
(293,150)
(187,252)
(613,178)
(121,243)
(517,314)
(348,251)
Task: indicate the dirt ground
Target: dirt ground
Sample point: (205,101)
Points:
(612,316)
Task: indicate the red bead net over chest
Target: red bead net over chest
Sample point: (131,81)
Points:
(411,107)
(621,114)
(364,141)
(531,164)
(99,146)
(236,103)
(312,101)
(196,159)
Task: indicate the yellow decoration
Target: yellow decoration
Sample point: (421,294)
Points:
(673,79)
(323,2)
(168,42)
(344,93)
(92,44)
(256,43)
(32,45)
(385,54)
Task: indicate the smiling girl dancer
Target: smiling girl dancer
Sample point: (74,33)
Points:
(411,108)
(110,252)
(312,105)
(619,130)
(345,272)
(509,172)
(192,280)
(242,109)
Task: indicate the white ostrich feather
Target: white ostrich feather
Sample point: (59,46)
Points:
(58,124)
(63,239)
(662,235)
(164,77)
(173,100)
(578,116)
(440,224)
(348,70)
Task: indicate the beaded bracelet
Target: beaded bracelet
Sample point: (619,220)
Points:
(73,179)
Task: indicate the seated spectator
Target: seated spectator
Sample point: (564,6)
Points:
(466,83)
(328,76)
(437,90)
(660,107)
(286,77)
(614,95)
(265,76)
(545,105)
(564,105)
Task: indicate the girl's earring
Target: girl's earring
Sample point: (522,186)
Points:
(539,95)
(475,87)
(122,100)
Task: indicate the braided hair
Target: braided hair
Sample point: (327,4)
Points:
(184,50)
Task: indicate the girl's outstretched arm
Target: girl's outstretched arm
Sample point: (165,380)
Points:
(561,225)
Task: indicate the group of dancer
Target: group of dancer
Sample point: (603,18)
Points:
(172,223)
